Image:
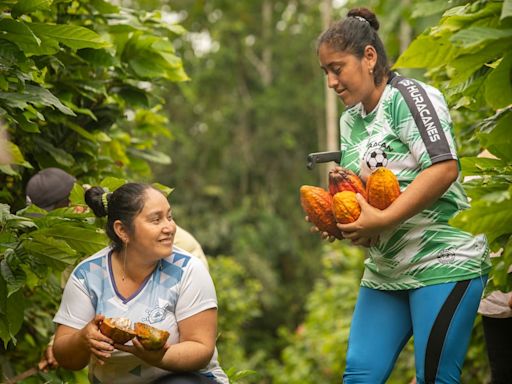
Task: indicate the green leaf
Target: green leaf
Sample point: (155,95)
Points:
(35,95)
(426,52)
(476,38)
(428,8)
(112,183)
(492,219)
(498,140)
(48,250)
(164,188)
(506,11)
(73,36)
(12,310)
(87,240)
(150,155)
(15,280)
(23,7)
(60,155)
(498,86)
(483,166)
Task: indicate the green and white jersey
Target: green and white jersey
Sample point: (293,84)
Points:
(425,249)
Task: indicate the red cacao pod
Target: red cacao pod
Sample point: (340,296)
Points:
(382,188)
(345,206)
(317,203)
(342,179)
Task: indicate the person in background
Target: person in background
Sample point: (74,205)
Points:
(422,277)
(50,189)
(142,277)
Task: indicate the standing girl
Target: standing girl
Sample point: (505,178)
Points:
(422,277)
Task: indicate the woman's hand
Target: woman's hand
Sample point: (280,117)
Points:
(97,343)
(367,228)
(153,358)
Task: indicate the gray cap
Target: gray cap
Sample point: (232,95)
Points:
(49,187)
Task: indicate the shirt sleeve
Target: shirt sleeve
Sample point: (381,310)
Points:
(76,307)
(423,122)
(197,291)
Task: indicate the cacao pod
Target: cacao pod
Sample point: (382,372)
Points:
(317,203)
(382,188)
(118,329)
(150,337)
(342,179)
(345,206)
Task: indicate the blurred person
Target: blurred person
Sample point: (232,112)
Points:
(5,153)
(142,277)
(423,277)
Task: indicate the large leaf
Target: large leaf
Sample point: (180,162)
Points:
(60,155)
(493,220)
(483,166)
(506,11)
(29,6)
(73,36)
(498,140)
(14,278)
(50,251)
(35,95)
(474,39)
(426,52)
(87,240)
(498,88)
(12,311)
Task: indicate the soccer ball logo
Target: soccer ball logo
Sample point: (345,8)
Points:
(376,158)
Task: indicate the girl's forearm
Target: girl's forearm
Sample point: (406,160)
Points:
(187,356)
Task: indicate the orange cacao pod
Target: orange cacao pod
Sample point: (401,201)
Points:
(317,203)
(345,207)
(382,188)
(342,179)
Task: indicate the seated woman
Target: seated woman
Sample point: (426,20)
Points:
(143,278)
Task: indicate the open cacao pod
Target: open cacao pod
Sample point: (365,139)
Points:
(150,337)
(346,207)
(118,329)
(317,203)
(342,179)
(382,188)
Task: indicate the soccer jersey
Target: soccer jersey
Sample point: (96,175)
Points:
(179,288)
(425,249)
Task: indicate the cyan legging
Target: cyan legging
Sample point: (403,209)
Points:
(440,317)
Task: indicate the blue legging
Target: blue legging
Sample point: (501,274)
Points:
(440,317)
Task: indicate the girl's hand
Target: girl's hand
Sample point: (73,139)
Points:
(99,344)
(323,235)
(153,358)
(366,229)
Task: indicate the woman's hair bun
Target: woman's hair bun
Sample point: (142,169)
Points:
(366,14)
(94,199)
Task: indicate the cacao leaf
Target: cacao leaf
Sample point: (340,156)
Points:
(12,311)
(498,89)
(52,252)
(73,36)
(493,220)
(15,280)
(23,7)
(506,11)
(498,140)
(87,240)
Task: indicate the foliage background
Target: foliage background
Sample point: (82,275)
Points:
(223,101)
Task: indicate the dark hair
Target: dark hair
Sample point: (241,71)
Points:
(123,204)
(353,34)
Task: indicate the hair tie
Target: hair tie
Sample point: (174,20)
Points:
(104,201)
(360,18)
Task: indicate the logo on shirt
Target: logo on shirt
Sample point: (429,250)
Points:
(375,155)
(155,315)
(446,256)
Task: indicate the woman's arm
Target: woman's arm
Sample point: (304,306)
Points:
(73,347)
(193,351)
(424,190)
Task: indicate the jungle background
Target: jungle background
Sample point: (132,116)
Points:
(222,101)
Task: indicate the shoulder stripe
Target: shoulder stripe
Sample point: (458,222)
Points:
(425,117)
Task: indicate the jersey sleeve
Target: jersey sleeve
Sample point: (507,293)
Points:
(197,291)
(76,307)
(423,123)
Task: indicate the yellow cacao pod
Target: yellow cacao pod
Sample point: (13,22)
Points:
(382,188)
(342,179)
(317,203)
(345,207)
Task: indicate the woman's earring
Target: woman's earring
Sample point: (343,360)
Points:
(371,71)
